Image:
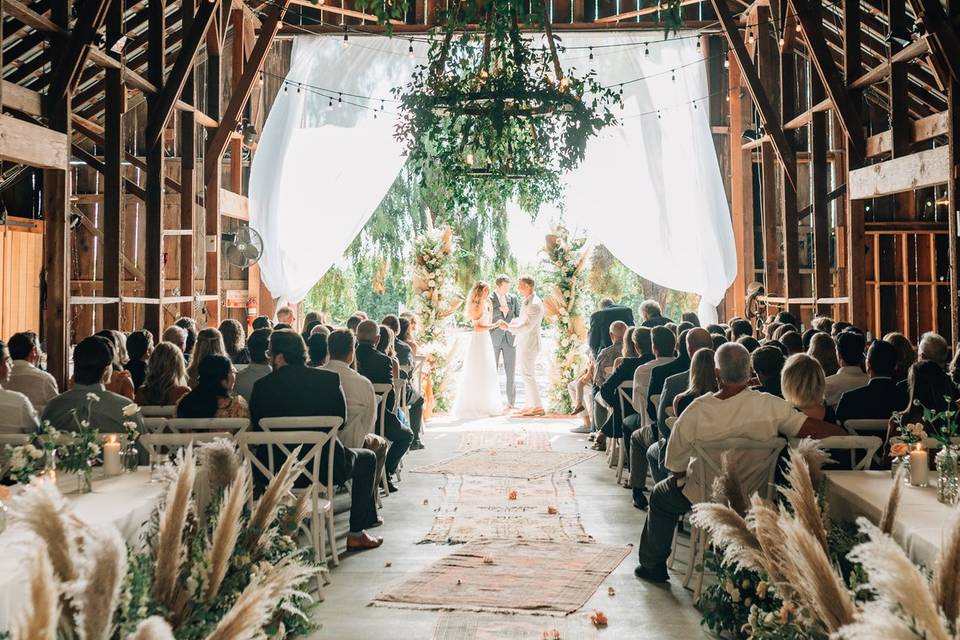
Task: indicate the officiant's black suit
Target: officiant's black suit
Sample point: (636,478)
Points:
(608,391)
(600,322)
(378,369)
(298,390)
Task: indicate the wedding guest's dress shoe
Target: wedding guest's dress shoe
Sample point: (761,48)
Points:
(658,575)
(363,542)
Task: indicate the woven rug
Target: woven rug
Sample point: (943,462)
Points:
(509,576)
(475,508)
(538,440)
(508,463)
(493,626)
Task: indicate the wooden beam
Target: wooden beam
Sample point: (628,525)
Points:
(188,164)
(947,38)
(66,74)
(822,60)
(349,13)
(953,205)
(100,166)
(156,170)
(856,243)
(820,176)
(211,182)
(173,86)
(234,205)
(804,118)
(31,144)
(789,218)
(627,15)
(923,129)
(916,171)
(21,99)
(912,51)
(741,189)
(898,92)
(31,18)
(113,173)
(767,114)
(241,93)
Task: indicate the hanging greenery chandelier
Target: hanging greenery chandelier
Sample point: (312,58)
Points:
(494,109)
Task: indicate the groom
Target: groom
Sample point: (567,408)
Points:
(506,309)
(527,330)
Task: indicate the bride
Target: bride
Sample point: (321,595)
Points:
(478,392)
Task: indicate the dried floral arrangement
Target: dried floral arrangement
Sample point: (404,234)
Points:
(217,571)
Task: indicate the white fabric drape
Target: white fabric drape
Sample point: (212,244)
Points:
(649,189)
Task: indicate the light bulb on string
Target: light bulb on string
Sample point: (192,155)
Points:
(410,50)
(591,53)
(658,115)
(330,104)
(346,37)
(381,105)
(726,64)
(750,38)
(646,49)
(698,43)
(285,87)
(339,97)
(298,87)
(673,75)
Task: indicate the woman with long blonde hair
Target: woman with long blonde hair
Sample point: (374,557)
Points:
(166,380)
(478,392)
(209,341)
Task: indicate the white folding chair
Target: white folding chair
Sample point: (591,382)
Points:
(192,425)
(382,392)
(708,457)
(616,451)
(159,445)
(416,373)
(866,427)
(159,411)
(869,444)
(671,412)
(282,436)
(655,399)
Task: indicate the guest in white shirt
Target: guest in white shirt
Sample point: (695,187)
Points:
(257,345)
(16,413)
(664,345)
(26,377)
(735,411)
(358,430)
(851,375)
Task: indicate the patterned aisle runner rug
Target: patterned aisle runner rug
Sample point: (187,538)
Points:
(508,576)
(477,508)
(508,463)
(471,440)
(494,626)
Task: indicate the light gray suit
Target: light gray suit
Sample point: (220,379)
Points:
(505,342)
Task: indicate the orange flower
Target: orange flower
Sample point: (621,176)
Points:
(512,495)
(598,618)
(4,493)
(552,510)
(899,449)
(551,634)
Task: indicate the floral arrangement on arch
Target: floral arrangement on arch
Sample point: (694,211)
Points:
(436,301)
(566,255)
(215,566)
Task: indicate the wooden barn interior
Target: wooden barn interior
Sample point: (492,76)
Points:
(128,127)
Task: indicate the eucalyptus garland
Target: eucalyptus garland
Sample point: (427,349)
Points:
(566,255)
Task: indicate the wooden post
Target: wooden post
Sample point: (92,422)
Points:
(56,237)
(212,195)
(741,189)
(820,214)
(856,238)
(789,219)
(953,194)
(156,170)
(766,70)
(113,176)
(188,178)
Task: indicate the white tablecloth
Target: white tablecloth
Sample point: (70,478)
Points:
(922,522)
(125,501)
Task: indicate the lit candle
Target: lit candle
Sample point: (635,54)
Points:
(919,466)
(111,457)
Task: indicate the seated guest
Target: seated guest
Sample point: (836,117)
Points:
(259,366)
(740,328)
(308,328)
(702,379)
(16,413)
(822,323)
(378,368)
(793,342)
(685,326)
(234,340)
(928,387)
(881,397)
(121,381)
(386,347)
(691,317)
(735,411)
(292,389)
(358,431)
(285,316)
(601,321)
(749,343)
(604,367)
(803,383)
(317,348)
(934,349)
(718,340)
(92,368)
(624,373)
(767,364)
(406,332)
(807,339)
(177,336)
(785,317)
(314,316)
(262,322)
(664,346)
(629,346)
(660,373)
(166,380)
(651,314)
(823,349)
(838,328)
(353,322)
(782,330)
(906,355)
(405,354)
(190,326)
(850,375)
(579,389)
(716,330)
(209,342)
(26,376)
(769,329)
(139,348)
(211,397)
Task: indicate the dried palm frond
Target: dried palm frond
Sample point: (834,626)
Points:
(170,551)
(889,516)
(278,489)
(946,576)
(225,534)
(763,520)
(897,583)
(811,451)
(39,619)
(42,509)
(153,628)
(221,461)
(802,497)
(729,531)
(818,584)
(727,488)
(249,613)
(298,513)
(880,623)
(285,581)
(104,569)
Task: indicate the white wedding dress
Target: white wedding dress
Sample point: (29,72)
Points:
(478,390)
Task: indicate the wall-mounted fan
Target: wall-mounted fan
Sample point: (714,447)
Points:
(242,247)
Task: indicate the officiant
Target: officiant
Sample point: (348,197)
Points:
(506,307)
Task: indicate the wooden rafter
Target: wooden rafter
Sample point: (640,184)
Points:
(822,61)
(646,11)
(341,11)
(768,116)
(947,38)
(91,16)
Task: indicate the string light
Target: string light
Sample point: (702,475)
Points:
(298,87)
(591,53)
(726,64)
(673,75)
(646,49)
(346,37)
(750,38)
(658,114)
(410,50)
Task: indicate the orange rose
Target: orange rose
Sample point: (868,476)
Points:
(4,493)
(512,495)
(598,618)
(899,449)
(552,510)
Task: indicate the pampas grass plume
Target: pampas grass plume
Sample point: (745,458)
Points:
(105,567)
(889,516)
(803,498)
(729,530)
(249,613)
(39,621)
(278,489)
(170,551)
(221,461)
(946,576)
(225,534)
(727,488)
(153,628)
(41,508)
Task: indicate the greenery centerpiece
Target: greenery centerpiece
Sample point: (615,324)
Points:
(566,255)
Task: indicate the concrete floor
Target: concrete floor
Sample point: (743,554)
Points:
(637,610)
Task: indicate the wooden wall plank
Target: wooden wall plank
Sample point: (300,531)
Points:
(26,143)
(923,169)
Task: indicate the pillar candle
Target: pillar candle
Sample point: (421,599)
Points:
(111,457)
(919,467)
